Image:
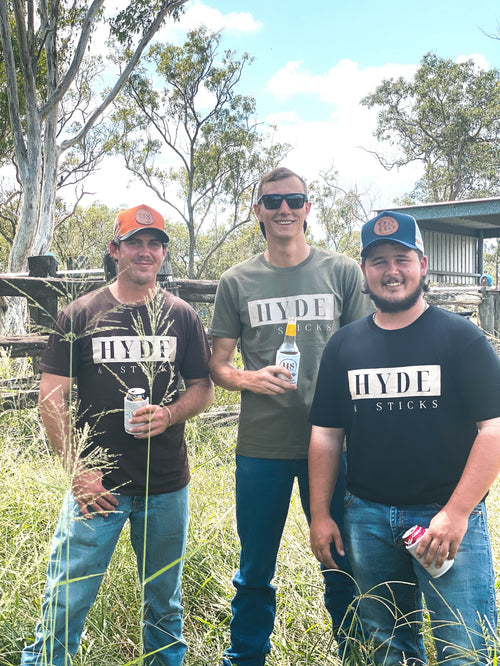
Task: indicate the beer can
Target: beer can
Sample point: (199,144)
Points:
(135,398)
(412,538)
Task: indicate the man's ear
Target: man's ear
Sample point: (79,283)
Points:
(113,250)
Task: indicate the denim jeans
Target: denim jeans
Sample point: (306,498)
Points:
(80,554)
(263,492)
(460,603)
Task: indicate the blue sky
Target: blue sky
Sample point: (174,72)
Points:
(366,32)
(314,62)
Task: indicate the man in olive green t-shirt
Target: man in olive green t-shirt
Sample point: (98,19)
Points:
(322,290)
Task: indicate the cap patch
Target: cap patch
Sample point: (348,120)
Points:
(385,226)
(144,216)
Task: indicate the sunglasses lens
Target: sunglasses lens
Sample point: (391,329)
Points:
(295,201)
(271,201)
(274,201)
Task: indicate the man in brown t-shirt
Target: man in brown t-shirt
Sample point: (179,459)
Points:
(130,334)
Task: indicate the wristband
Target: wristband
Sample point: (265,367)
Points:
(169,416)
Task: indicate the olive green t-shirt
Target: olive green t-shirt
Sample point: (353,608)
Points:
(253,302)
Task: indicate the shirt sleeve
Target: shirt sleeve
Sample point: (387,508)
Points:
(356,304)
(61,355)
(226,321)
(194,364)
(329,397)
(479,379)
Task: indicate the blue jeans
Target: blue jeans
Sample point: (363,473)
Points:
(80,554)
(263,492)
(461,603)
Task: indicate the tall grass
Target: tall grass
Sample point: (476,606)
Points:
(33,483)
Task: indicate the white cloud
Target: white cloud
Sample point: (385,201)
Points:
(344,138)
(478,59)
(283,118)
(198,14)
(342,83)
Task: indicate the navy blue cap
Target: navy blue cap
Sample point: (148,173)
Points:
(391,226)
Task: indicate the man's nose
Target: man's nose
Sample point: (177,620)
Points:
(285,208)
(392,267)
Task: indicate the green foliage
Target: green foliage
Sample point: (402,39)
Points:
(84,233)
(33,486)
(185,128)
(492,259)
(244,243)
(137,16)
(448,118)
(339,212)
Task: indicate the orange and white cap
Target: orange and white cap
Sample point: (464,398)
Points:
(130,221)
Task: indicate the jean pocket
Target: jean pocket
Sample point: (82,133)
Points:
(478,510)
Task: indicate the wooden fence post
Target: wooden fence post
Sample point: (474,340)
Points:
(489,312)
(43,311)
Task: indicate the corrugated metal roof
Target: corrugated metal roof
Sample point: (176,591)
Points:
(472,217)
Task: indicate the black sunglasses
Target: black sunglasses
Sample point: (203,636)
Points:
(274,201)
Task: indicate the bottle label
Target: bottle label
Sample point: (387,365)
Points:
(290,361)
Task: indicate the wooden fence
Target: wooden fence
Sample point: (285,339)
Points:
(46,290)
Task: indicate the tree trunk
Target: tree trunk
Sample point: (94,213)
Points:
(45,228)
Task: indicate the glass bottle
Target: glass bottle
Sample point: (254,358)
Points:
(288,355)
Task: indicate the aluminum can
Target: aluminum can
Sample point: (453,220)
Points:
(135,398)
(412,538)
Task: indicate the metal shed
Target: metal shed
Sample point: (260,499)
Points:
(453,233)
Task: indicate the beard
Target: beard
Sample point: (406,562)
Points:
(406,303)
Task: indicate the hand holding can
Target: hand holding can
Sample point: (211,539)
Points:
(412,538)
(135,398)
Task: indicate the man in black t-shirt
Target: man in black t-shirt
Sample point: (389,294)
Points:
(415,390)
(128,335)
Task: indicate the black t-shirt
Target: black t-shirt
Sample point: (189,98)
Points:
(109,347)
(409,400)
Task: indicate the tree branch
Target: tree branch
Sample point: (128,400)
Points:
(168,7)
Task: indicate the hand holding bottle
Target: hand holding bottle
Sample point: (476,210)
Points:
(288,355)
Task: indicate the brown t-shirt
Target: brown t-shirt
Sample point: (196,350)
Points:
(109,347)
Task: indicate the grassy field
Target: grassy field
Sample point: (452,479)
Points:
(32,488)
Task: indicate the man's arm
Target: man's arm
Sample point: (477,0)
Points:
(198,395)
(262,381)
(325,451)
(86,484)
(449,526)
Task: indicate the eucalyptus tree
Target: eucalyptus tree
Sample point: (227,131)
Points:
(44,47)
(448,118)
(185,131)
(340,213)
